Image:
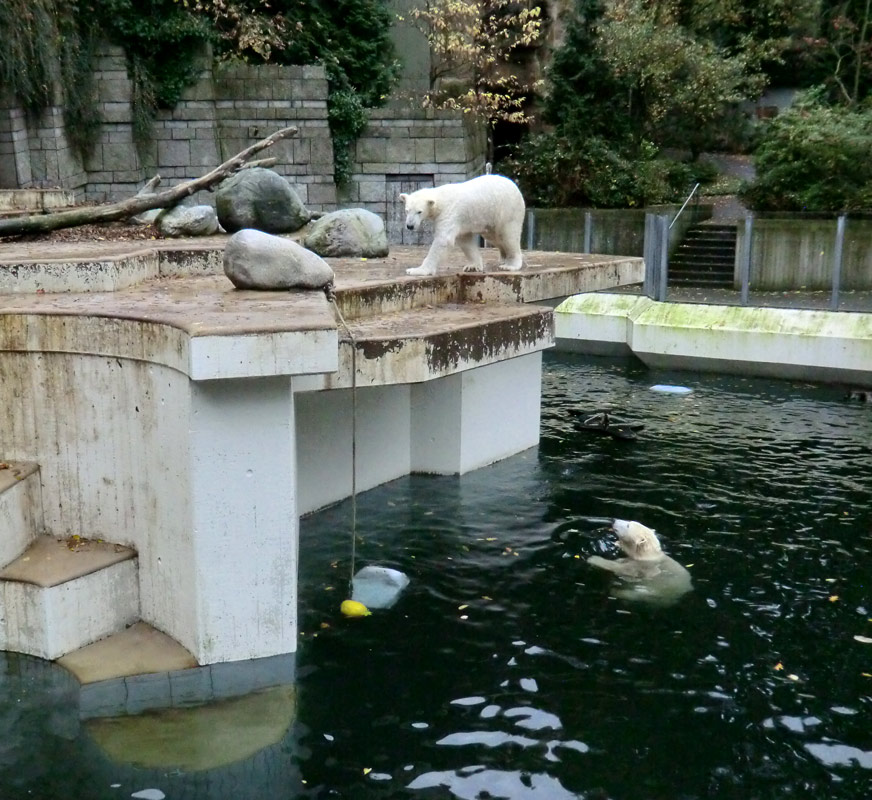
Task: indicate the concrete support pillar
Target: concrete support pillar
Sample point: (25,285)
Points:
(244,518)
(324,425)
(476,417)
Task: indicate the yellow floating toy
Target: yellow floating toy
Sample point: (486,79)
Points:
(351,608)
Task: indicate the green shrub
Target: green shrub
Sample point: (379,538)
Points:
(555,171)
(814,158)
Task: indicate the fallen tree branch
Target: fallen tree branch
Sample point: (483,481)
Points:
(111,212)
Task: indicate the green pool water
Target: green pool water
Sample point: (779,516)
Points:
(507,670)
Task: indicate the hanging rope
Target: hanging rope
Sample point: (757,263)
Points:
(331,296)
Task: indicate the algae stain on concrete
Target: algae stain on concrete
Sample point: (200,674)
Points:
(201,738)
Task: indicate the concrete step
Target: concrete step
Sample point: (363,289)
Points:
(699,279)
(20,508)
(61,594)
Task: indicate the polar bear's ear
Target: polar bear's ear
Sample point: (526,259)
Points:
(403,197)
(431,205)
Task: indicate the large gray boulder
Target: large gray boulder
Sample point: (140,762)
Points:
(188,221)
(257,260)
(351,232)
(262,199)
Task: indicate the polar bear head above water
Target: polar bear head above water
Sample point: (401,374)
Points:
(647,573)
(637,541)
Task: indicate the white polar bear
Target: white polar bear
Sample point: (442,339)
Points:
(489,205)
(647,573)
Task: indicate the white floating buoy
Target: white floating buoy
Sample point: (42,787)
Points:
(378,587)
(669,389)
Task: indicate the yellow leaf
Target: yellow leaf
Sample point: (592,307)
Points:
(465,605)
(367,770)
(833,598)
(778,666)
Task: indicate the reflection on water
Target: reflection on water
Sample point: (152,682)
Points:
(506,669)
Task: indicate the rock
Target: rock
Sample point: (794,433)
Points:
(352,232)
(188,221)
(257,260)
(262,199)
(378,587)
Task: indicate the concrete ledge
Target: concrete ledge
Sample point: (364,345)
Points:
(50,562)
(20,508)
(49,622)
(427,343)
(777,342)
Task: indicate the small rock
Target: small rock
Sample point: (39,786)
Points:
(349,232)
(257,260)
(188,221)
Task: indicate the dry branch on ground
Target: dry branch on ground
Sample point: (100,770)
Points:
(111,212)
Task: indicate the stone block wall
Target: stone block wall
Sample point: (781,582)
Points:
(230,107)
(35,153)
(405,148)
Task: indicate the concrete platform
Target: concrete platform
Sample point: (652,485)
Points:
(195,423)
(137,650)
(812,345)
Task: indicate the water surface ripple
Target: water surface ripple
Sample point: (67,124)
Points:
(507,670)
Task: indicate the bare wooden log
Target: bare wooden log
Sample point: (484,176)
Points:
(111,212)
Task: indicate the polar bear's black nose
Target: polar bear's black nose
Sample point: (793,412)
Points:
(410,226)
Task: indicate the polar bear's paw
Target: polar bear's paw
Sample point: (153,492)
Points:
(420,271)
(474,268)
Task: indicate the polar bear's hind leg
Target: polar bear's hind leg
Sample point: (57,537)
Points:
(468,243)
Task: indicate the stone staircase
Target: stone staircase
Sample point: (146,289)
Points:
(56,595)
(706,257)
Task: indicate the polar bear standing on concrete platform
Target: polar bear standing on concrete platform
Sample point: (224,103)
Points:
(490,205)
(647,573)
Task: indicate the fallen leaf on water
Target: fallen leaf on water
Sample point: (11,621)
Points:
(833,598)
(778,666)
(367,770)
(485,597)
(465,605)
(863,639)
(793,677)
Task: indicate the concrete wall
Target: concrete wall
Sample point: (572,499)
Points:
(615,231)
(798,253)
(229,108)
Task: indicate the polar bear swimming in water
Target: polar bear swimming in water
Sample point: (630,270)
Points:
(647,573)
(490,205)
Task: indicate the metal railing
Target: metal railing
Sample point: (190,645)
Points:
(656,282)
(684,205)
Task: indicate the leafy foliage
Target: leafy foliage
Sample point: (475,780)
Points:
(474,46)
(814,158)
(557,170)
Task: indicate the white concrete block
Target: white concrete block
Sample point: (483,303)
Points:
(20,509)
(244,519)
(477,417)
(50,621)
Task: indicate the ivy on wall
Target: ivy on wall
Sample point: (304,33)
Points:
(50,43)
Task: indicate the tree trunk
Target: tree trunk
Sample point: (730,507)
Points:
(110,212)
